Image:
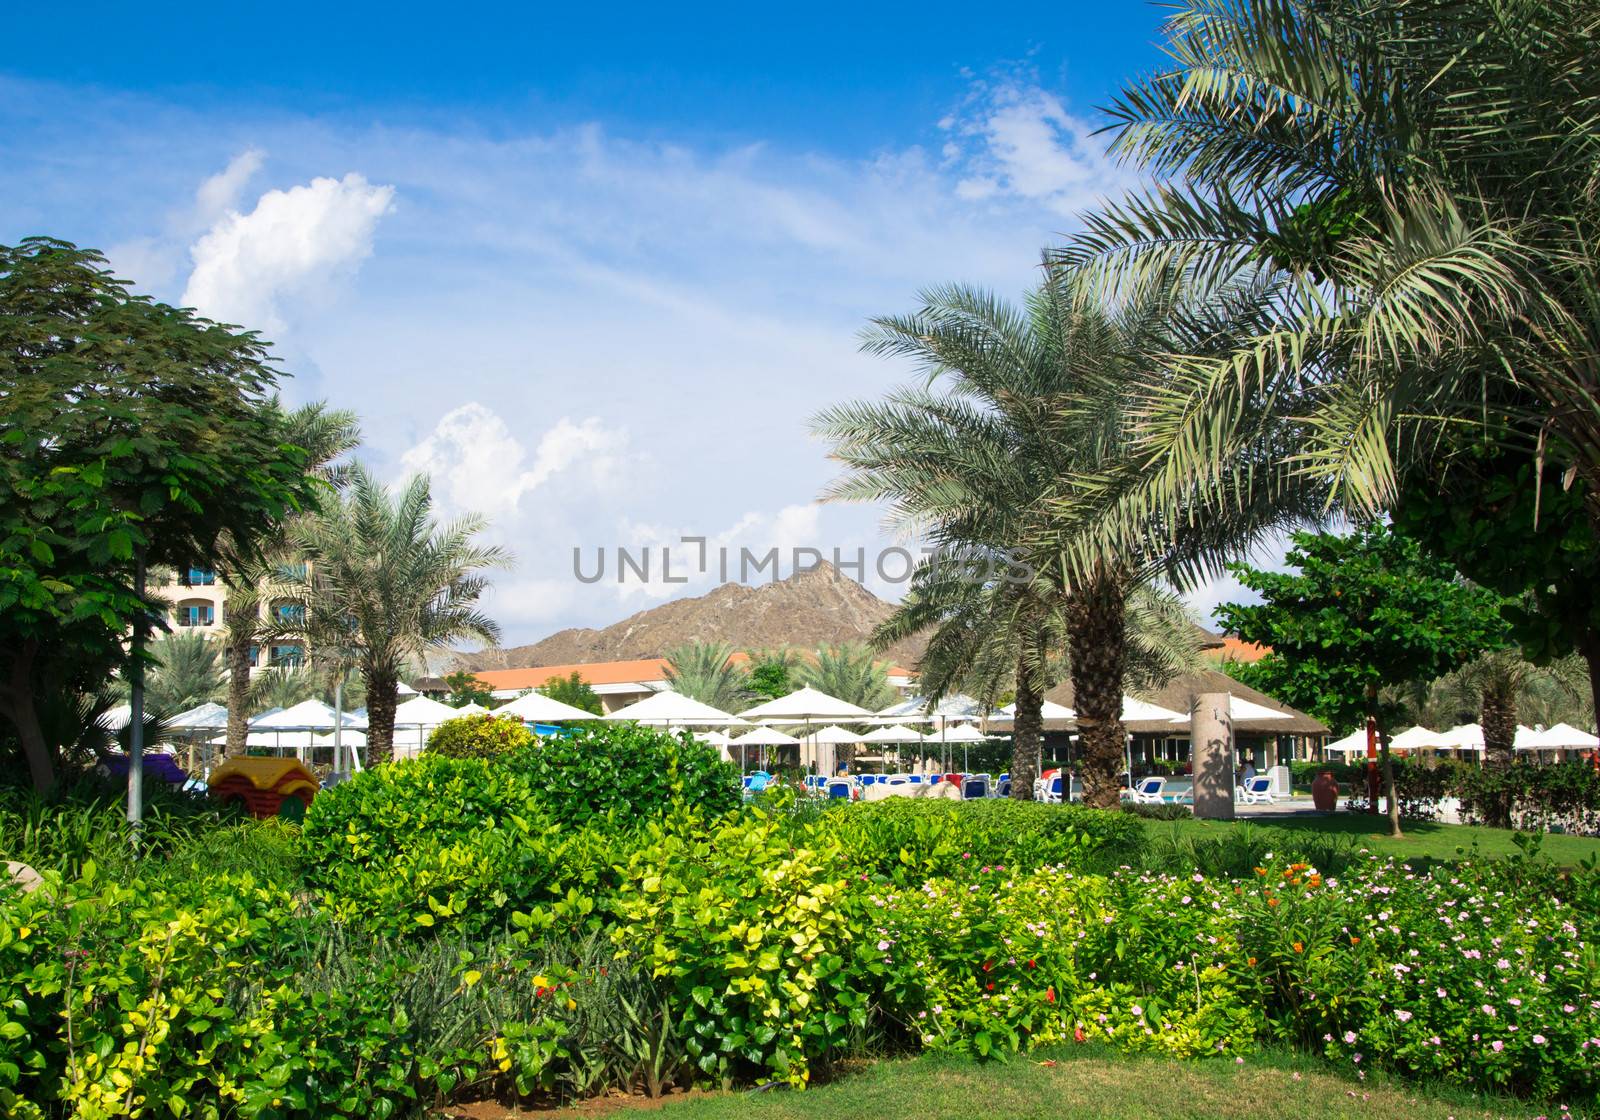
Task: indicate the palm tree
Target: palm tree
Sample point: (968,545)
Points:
(188,672)
(706,671)
(282,686)
(255,579)
(1421,177)
(384,585)
(1010,467)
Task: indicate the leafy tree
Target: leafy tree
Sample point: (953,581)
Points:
(573,690)
(256,578)
(133,433)
(281,686)
(1524,533)
(1410,171)
(772,672)
(479,736)
(1358,612)
(384,585)
(707,672)
(465,688)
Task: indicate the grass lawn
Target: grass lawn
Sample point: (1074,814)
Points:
(1422,838)
(1085,1083)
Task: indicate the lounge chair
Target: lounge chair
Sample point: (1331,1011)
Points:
(975,787)
(840,789)
(1148,791)
(1257,791)
(1052,791)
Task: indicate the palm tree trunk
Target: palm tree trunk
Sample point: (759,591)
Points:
(1027,731)
(383,693)
(241,636)
(1097,645)
(1393,798)
(1498,717)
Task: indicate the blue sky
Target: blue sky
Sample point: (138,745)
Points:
(590,269)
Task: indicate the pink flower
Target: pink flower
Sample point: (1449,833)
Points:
(1538,1040)
(1403,1015)
(1136,1009)
(882,945)
(1497,1046)
(1349,1037)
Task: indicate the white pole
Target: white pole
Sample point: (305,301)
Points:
(136,716)
(338,723)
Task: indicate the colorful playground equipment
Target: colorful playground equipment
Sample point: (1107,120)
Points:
(267,787)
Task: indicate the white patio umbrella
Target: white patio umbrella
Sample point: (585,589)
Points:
(205,717)
(965,734)
(292,728)
(1563,736)
(894,733)
(1238,708)
(803,705)
(1049,710)
(472,709)
(919,709)
(1418,738)
(1463,737)
(1353,743)
(536,707)
(764,737)
(674,709)
(1142,711)
(415,720)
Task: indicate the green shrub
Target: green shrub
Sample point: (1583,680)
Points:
(750,924)
(479,736)
(1166,811)
(1563,796)
(908,841)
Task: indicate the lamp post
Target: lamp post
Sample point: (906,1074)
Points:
(136,717)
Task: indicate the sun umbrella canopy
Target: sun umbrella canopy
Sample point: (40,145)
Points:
(1418,738)
(536,707)
(920,709)
(473,709)
(1050,710)
(765,737)
(834,734)
(897,733)
(674,708)
(1238,708)
(1465,737)
(308,715)
(1352,743)
(1561,736)
(205,717)
(1134,709)
(423,712)
(804,704)
(964,733)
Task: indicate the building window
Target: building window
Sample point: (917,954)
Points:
(255,656)
(286,657)
(196,614)
(201,577)
(290,613)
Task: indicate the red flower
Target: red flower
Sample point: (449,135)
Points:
(1033,964)
(1050,995)
(1078,1035)
(988,965)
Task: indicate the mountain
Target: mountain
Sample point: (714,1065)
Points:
(817,607)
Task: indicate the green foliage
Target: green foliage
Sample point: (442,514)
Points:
(187,672)
(1563,796)
(574,690)
(1526,535)
(478,736)
(1357,613)
(132,430)
(908,841)
(852,672)
(465,688)
(750,926)
(706,671)
(772,673)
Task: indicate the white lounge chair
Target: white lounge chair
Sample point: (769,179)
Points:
(1257,791)
(1148,791)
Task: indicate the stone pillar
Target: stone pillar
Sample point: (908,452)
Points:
(1211,741)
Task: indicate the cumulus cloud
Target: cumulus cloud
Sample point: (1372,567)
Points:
(477,462)
(1013,138)
(293,244)
(221,192)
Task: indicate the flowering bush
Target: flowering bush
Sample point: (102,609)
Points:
(1004,962)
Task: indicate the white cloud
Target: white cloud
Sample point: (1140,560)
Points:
(294,243)
(476,462)
(220,193)
(1020,140)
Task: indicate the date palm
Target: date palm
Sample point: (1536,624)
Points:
(1423,177)
(998,460)
(327,436)
(385,584)
(188,672)
(706,671)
